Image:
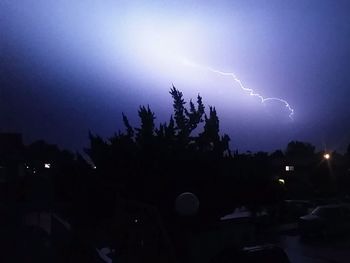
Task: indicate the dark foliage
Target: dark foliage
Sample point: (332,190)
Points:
(154,164)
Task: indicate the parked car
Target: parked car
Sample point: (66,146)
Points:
(326,220)
(257,254)
(292,210)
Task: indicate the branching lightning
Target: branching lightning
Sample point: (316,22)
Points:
(251,92)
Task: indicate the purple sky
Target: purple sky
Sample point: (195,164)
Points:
(67,68)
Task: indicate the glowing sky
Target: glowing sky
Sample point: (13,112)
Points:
(71,66)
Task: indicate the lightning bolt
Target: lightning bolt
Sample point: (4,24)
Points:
(251,92)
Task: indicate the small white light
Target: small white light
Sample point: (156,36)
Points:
(327,156)
(94,167)
(136,220)
(281,181)
(289,168)
(47,165)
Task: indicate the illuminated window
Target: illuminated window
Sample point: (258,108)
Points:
(47,165)
(289,168)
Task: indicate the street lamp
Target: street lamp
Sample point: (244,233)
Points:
(281,181)
(327,156)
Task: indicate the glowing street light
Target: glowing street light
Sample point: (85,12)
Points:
(281,181)
(327,156)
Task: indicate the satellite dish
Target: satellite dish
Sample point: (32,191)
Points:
(187,204)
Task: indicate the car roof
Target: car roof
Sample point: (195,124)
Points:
(261,247)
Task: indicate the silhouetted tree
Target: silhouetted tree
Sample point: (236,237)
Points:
(186,119)
(99,151)
(151,162)
(297,149)
(210,140)
(145,134)
(179,110)
(277,154)
(129,129)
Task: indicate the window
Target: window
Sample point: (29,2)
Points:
(289,168)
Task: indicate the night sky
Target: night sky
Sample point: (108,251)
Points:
(67,67)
